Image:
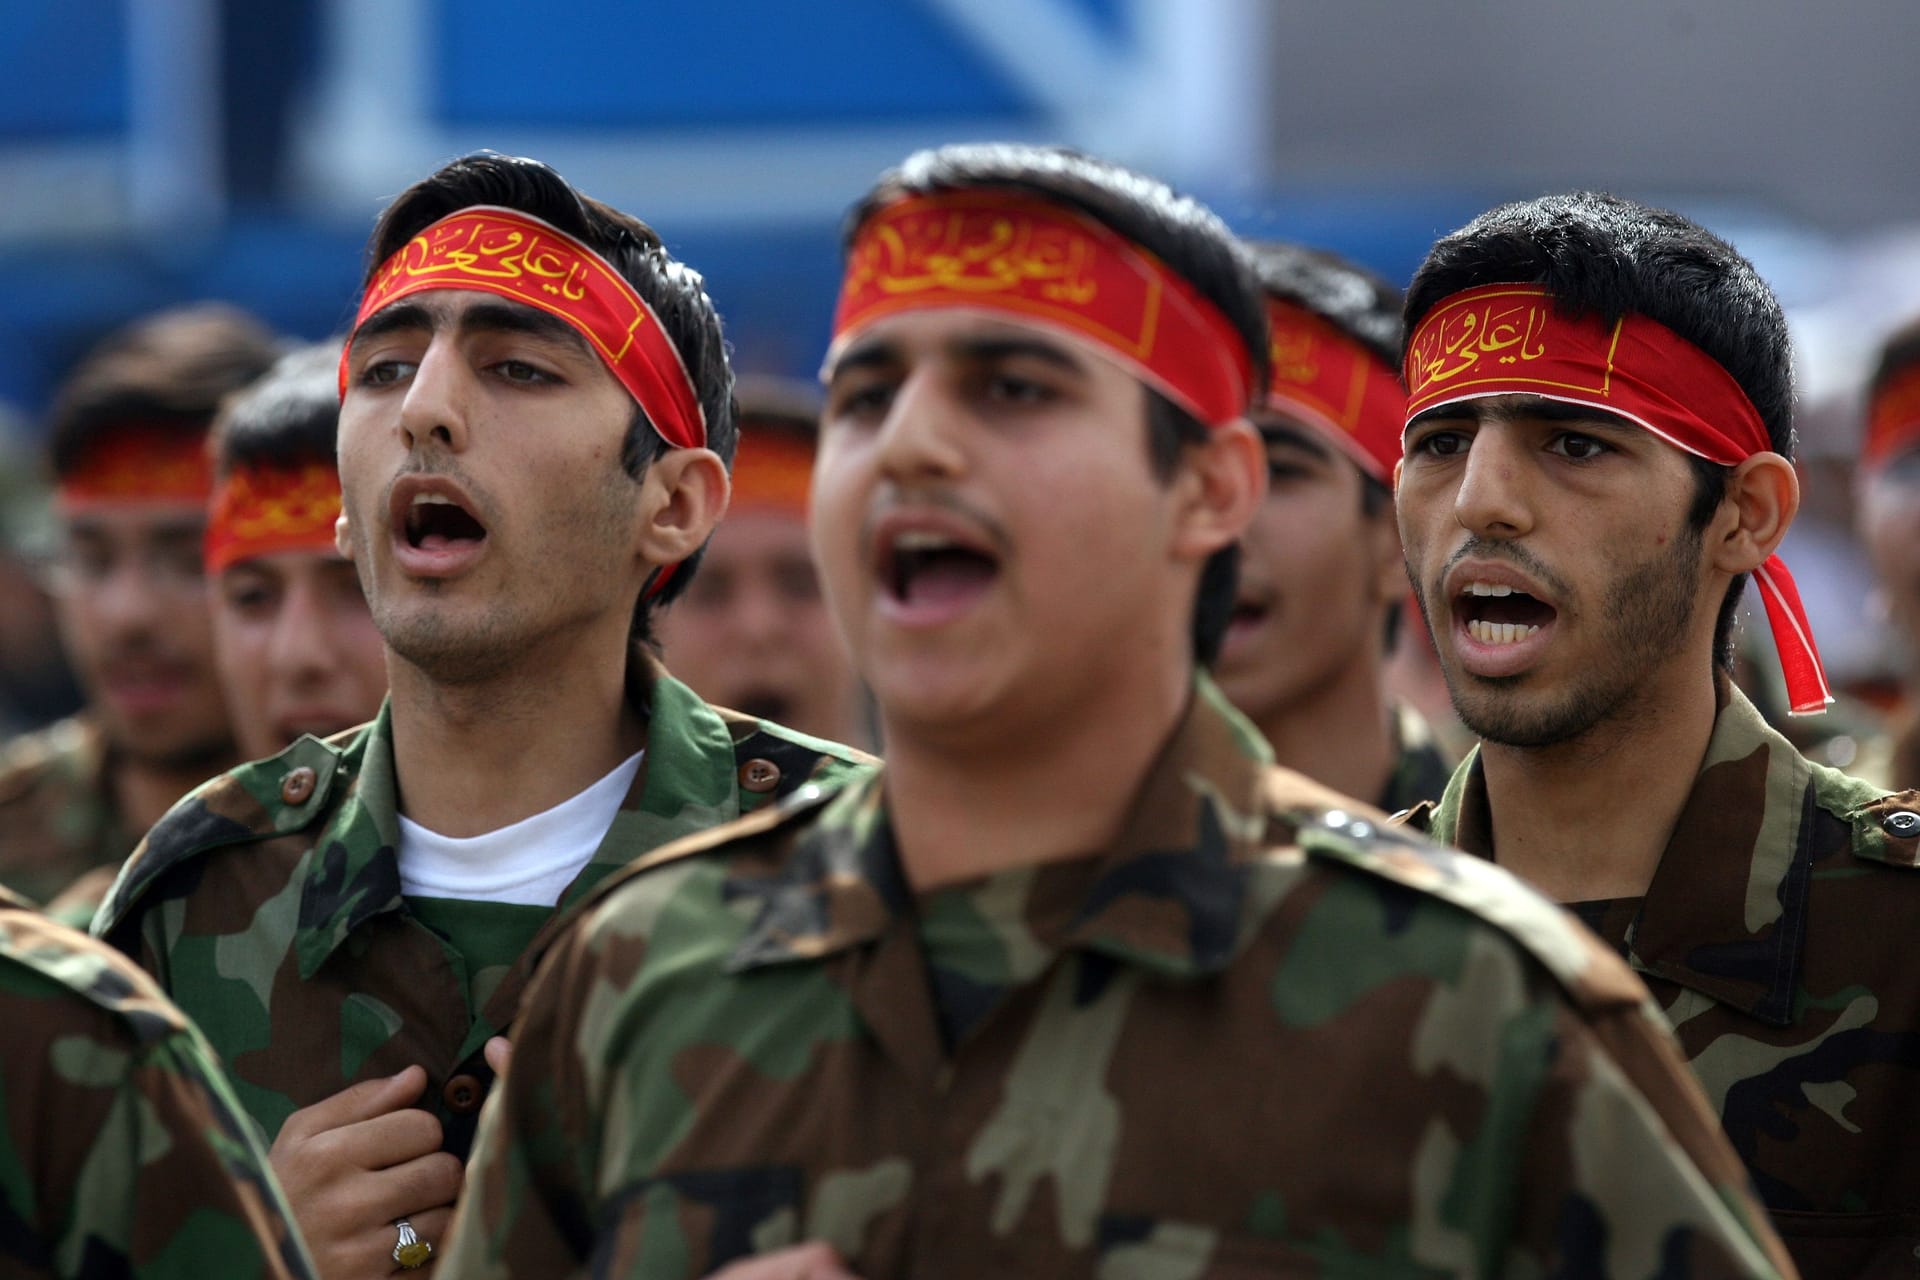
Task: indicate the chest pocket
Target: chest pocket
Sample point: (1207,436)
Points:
(1136,1248)
(697,1221)
(1870,1246)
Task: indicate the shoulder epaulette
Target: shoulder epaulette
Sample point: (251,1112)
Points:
(256,801)
(1592,975)
(91,970)
(1886,829)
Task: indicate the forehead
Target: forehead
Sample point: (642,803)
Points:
(963,334)
(291,564)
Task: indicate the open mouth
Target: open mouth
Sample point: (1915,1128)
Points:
(435,522)
(1496,614)
(921,569)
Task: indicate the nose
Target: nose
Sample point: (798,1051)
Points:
(438,399)
(917,440)
(129,597)
(301,649)
(1493,499)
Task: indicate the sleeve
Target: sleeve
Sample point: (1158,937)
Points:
(1625,1170)
(159,1174)
(529,1205)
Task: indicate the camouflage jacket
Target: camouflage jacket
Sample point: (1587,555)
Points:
(1775,935)
(124,1153)
(1258,1036)
(57,821)
(1421,764)
(268,905)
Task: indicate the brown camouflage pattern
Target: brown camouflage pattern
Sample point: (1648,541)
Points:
(124,1152)
(274,917)
(1777,937)
(1259,1036)
(57,818)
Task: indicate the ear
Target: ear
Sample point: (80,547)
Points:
(343,537)
(1382,531)
(1224,479)
(682,498)
(1763,496)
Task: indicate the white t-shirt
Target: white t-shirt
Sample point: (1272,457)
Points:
(530,862)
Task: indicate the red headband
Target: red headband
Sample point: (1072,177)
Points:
(141,464)
(1510,339)
(1044,264)
(521,258)
(1325,379)
(772,470)
(262,510)
(1893,418)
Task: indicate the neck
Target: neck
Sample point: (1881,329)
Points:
(1338,732)
(143,790)
(1562,817)
(474,757)
(1048,789)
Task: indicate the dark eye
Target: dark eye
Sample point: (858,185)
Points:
(1442,444)
(382,373)
(1009,388)
(1577,447)
(521,371)
(860,401)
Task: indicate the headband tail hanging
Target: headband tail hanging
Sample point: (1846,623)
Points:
(1807,689)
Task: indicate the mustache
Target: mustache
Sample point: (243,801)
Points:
(937,500)
(1514,554)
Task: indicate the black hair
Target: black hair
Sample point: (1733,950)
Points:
(676,293)
(1178,230)
(288,418)
(169,370)
(1607,256)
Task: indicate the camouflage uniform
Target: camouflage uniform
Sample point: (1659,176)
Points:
(125,1153)
(57,818)
(1258,1036)
(1421,766)
(1777,936)
(268,905)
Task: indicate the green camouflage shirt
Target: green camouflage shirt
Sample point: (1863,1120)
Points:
(1258,1036)
(124,1152)
(1777,934)
(57,821)
(268,905)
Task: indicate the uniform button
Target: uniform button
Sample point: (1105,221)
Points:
(297,786)
(1902,823)
(464,1094)
(760,776)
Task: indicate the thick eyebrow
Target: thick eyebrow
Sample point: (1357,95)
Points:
(988,350)
(1542,408)
(1293,437)
(482,317)
(871,354)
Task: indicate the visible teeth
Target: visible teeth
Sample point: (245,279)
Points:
(921,540)
(1488,589)
(1499,632)
(435,499)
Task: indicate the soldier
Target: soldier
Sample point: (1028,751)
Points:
(297,647)
(1600,404)
(536,419)
(129,462)
(1084,985)
(125,1153)
(1889,514)
(752,632)
(1321,577)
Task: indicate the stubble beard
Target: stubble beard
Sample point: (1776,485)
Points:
(1647,611)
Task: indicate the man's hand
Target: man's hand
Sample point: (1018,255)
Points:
(812,1261)
(497,1051)
(353,1163)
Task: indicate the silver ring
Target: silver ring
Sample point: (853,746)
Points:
(410,1251)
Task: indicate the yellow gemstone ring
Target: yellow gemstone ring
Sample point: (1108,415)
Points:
(411,1251)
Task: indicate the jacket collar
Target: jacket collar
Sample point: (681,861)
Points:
(686,783)
(1725,913)
(1167,896)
